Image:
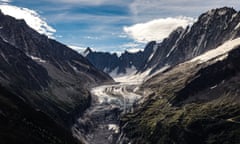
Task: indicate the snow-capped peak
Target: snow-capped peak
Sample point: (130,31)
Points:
(32,18)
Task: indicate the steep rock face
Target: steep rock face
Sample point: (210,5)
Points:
(103,60)
(43,76)
(19,121)
(19,69)
(20,35)
(111,63)
(211,30)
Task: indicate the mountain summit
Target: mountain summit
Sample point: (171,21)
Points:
(210,30)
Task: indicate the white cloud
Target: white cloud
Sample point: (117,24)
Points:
(134,50)
(131,45)
(77,48)
(157,29)
(32,18)
(5,1)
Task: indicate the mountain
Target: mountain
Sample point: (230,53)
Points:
(124,64)
(197,100)
(211,30)
(43,85)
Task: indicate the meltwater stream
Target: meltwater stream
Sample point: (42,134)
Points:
(100,123)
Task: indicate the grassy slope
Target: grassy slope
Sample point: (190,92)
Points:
(191,104)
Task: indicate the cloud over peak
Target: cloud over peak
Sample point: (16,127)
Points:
(32,18)
(156,29)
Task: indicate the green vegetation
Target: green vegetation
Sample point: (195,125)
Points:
(177,114)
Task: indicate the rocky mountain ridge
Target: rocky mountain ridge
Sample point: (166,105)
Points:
(124,64)
(210,30)
(196,101)
(41,75)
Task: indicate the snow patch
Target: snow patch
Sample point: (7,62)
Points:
(154,51)
(114,73)
(37,59)
(213,87)
(6,41)
(210,12)
(113,127)
(222,12)
(106,70)
(237,26)
(219,53)
(233,16)
(200,41)
(163,69)
(180,37)
(85,53)
(74,68)
(4,57)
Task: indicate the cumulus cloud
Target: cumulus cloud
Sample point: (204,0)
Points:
(32,18)
(157,29)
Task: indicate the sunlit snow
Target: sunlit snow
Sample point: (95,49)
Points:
(219,52)
(37,59)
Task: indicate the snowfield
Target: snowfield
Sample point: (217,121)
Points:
(218,53)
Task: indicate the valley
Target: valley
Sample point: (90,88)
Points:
(183,89)
(100,123)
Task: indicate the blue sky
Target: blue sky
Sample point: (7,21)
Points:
(110,25)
